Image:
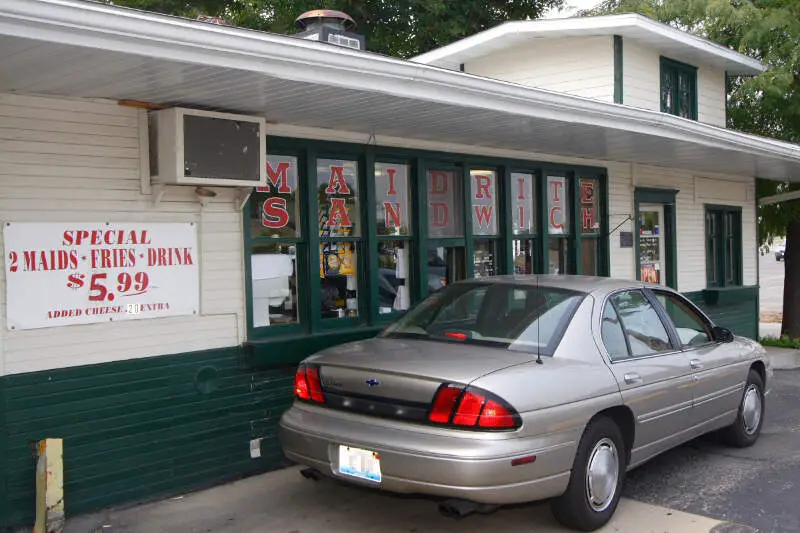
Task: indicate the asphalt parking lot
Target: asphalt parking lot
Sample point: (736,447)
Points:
(758,486)
(702,486)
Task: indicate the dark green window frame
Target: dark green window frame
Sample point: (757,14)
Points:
(678,88)
(723,232)
(418,161)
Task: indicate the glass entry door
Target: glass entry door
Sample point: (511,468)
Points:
(651,244)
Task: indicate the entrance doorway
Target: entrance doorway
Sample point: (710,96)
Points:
(652,262)
(654,234)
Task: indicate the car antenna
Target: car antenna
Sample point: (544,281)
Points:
(538,333)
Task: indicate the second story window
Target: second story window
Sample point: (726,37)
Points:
(678,89)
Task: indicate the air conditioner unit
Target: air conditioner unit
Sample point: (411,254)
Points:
(194,147)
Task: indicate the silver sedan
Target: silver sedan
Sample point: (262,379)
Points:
(515,389)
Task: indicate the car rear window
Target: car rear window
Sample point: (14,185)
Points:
(518,317)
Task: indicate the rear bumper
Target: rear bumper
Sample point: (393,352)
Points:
(432,461)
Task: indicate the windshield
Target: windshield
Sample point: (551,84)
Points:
(518,317)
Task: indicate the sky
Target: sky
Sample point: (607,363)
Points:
(571,7)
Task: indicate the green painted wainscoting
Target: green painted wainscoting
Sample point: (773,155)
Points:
(138,429)
(293,349)
(735,308)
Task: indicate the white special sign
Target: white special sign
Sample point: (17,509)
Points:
(59,274)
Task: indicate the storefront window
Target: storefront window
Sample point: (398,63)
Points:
(558,212)
(484,258)
(523,256)
(377,252)
(484,202)
(589,251)
(275,208)
(524,203)
(590,206)
(337,194)
(446,264)
(393,277)
(445,205)
(392,199)
(274,282)
(338,264)
(557,255)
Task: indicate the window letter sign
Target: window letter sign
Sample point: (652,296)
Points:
(277,202)
(60,274)
(524,203)
(392,199)
(590,203)
(557,205)
(337,193)
(484,202)
(444,204)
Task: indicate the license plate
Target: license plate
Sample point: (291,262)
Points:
(360,463)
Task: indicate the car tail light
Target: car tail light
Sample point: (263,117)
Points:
(307,385)
(469,409)
(495,415)
(312,375)
(301,385)
(444,403)
(472,408)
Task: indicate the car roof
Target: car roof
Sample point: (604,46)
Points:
(586,284)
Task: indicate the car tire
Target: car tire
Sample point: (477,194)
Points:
(746,429)
(591,500)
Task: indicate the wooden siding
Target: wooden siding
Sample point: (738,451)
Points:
(640,76)
(642,84)
(139,429)
(711,96)
(583,66)
(64,160)
(694,193)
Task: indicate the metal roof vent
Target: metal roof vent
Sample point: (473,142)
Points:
(329,26)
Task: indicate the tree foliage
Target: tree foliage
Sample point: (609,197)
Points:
(401,28)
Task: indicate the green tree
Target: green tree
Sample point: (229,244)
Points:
(766,105)
(401,28)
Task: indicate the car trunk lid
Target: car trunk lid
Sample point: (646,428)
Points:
(399,377)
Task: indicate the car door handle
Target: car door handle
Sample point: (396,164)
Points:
(695,363)
(632,378)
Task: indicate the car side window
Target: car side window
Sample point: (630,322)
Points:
(643,328)
(693,329)
(613,335)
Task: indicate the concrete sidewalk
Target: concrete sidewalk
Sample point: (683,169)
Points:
(284,502)
(783,358)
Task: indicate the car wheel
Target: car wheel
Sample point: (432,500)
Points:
(746,429)
(596,481)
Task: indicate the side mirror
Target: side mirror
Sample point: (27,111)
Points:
(722,334)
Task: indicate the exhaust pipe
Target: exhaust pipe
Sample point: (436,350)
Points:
(458,509)
(311,473)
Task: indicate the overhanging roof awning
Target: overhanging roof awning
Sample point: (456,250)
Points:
(631,26)
(85,49)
